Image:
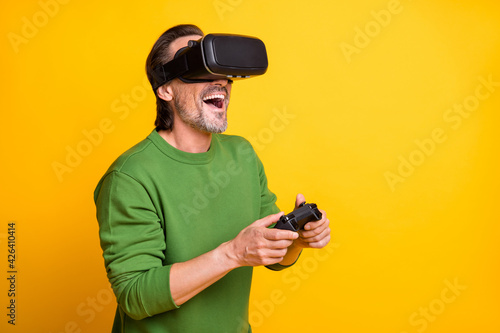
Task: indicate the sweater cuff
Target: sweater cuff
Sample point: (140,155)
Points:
(157,298)
(279,267)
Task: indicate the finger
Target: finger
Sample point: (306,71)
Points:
(317,238)
(279,244)
(315,224)
(300,199)
(268,220)
(310,226)
(270,253)
(316,230)
(320,243)
(278,234)
(276,253)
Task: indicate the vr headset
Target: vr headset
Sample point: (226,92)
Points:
(214,57)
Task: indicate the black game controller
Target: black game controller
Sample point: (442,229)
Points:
(297,219)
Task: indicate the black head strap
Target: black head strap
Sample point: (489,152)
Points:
(169,71)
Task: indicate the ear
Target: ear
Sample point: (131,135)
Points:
(165,92)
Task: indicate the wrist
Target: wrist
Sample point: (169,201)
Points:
(227,256)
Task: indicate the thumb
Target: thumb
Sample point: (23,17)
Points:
(268,220)
(300,199)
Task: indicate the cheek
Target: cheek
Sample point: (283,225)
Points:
(185,96)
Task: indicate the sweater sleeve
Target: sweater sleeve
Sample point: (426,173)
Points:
(267,198)
(268,206)
(133,245)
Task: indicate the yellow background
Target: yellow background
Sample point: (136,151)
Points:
(351,117)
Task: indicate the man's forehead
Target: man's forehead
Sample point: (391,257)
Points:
(182,42)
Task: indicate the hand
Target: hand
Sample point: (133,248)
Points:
(258,245)
(315,234)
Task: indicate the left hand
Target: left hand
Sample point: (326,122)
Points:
(315,234)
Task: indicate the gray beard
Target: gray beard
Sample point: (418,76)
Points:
(200,122)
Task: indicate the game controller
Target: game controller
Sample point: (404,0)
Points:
(297,219)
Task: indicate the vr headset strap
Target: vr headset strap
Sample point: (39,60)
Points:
(169,71)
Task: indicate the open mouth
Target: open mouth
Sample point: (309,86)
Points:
(216,100)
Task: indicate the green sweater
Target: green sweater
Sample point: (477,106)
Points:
(157,205)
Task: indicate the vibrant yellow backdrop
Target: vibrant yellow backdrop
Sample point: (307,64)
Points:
(383,112)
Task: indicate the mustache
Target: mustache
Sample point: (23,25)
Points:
(214,89)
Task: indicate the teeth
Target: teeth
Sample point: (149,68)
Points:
(213,96)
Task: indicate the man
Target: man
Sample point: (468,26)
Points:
(184,215)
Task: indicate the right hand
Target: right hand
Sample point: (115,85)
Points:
(258,245)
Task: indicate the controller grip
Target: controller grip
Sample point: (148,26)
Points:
(297,219)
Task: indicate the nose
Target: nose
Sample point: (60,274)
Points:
(222,82)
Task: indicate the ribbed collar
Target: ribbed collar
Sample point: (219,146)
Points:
(182,156)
